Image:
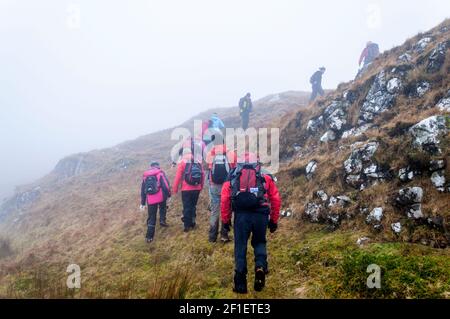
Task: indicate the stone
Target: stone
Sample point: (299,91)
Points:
(356,131)
(360,155)
(394,85)
(437,58)
(406,174)
(438,180)
(337,120)
(422,88)
(436,165)
(315,124)
(310,169)
(362,241)
(422,44)
(322,195)
(415,211)
(343,200)
(328,136)
(333,201)
(378,100)
(396,227)
(409,196)
(405,57)
(313,212)
(426,133)
(375,215)
(444,104)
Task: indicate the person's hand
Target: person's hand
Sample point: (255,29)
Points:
(272,227)
(142,208)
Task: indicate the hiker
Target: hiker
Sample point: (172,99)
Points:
(155,190)
(190,177)
(212,127)
(316,82)
(220,162)
(187,147)
(245,108)
(368,55)
(255,201)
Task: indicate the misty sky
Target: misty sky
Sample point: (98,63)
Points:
(84,74)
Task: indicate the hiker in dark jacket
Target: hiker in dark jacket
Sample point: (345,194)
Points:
(245,108)
(254,199)
(316,83)
(155,190)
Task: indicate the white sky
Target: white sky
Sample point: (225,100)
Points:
(83,74)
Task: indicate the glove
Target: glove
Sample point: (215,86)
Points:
(142,208)
(272,226)
(227,226)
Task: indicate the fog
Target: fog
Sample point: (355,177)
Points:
(79,75)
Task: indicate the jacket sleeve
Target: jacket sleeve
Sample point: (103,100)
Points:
(275,200)
(225,203)
(178,177)
(143,196)
(165,185)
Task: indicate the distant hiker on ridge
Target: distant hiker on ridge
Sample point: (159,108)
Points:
(220,162)
(368,55)
(155,190)
(316,83)
(255,201)
(190,177)
(245,108)
(214,125)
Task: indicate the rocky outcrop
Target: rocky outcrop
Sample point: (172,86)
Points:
(380,98)
(410,201)
(437,58)
(311,169)
(361,169)
(426,133)
(444,103)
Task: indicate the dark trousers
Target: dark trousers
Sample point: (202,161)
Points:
(245,117)
(189,199)
(316,90)
(151,220)
(246,224)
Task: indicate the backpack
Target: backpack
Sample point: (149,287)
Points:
(152,185)
(247,187)
(220,169)
(193,173)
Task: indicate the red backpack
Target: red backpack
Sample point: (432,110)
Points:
(247,187)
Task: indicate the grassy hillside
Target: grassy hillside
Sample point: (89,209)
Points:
(364,150)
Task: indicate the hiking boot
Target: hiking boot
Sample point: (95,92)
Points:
(240,283)
(225,239)
(164,224)
(260,279)
(148,240)
(186,229)
(212,240)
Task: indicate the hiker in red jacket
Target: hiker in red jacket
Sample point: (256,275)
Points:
(368,55)
(255,201)
(220,162)
(190,177)
(155,190)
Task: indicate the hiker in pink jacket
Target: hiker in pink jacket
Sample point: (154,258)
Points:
(155,190)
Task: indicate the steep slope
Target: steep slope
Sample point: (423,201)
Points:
(85,210)
(364,181)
